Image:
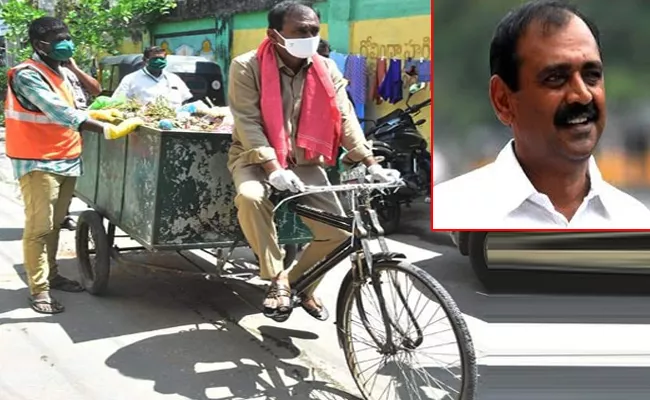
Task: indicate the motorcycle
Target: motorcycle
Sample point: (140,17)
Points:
(397,144)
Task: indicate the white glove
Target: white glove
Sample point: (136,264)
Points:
(382,174)
(284,179)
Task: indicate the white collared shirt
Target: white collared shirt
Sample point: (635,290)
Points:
(500,196)
(145,88)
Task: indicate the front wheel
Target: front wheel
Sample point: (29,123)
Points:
(384,332)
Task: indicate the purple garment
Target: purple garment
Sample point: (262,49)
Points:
(391,88)
(356,73)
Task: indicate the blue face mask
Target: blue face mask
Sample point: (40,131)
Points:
(61,50)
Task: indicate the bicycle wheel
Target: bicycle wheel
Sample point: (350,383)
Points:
(400,373)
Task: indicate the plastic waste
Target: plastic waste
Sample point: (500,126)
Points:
(187,108)
(197,107)
(166,125)
(103,102)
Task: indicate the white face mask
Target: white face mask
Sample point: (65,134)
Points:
(301,48)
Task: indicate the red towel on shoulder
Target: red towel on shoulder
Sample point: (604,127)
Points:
(319,126)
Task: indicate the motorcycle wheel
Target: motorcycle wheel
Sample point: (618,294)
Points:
(389,213)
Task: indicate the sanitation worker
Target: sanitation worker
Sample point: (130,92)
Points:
(44,145)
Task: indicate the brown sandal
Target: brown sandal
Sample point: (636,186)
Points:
(319,312)
(284,306)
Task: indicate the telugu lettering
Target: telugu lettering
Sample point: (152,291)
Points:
(369,48)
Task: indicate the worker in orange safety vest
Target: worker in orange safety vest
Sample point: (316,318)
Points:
(44,144)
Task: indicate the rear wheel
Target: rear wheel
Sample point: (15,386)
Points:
(93,252)
(395,369)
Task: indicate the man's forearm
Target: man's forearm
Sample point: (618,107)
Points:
(89,83)
(368,161)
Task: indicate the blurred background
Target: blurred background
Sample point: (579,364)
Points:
(468,135)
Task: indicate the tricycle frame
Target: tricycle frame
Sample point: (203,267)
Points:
(95,274)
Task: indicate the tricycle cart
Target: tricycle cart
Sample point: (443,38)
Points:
(168,191)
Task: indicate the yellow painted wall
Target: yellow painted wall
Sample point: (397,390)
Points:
(128,46)
(400,38)
(244,40)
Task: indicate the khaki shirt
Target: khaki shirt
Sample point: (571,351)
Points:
(249,143)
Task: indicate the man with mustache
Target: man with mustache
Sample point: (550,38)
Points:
(548,86)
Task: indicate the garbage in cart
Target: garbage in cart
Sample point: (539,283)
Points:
(195,116)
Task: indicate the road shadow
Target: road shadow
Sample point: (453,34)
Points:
(139,301)
(13,299)
(11,234)
(136,301)
(197,365)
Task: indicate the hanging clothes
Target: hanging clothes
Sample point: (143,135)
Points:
(339,59)
(410,73)
(391,88)
(356,72)
(380,73)
(411,67)
(408,80)
(424,71)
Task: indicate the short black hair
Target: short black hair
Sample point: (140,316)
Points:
(151,50)
(504,61)
(280,11)
(41,28)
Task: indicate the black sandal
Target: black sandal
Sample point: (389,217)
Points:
(69,224)
(65,285)
(319,312)
(282,294)
(54,306)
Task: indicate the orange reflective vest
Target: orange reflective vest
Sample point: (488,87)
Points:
(31,134)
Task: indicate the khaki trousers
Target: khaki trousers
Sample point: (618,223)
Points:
(256,220)
(47,197)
